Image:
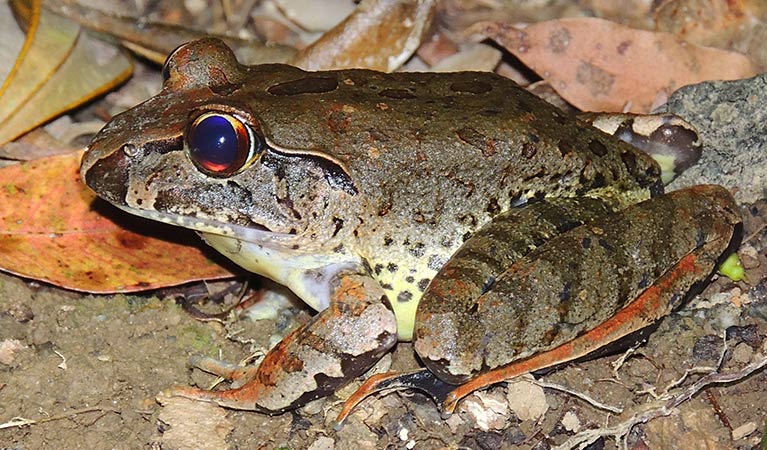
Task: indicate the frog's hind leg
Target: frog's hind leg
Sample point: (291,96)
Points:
(337,345)
(585,289)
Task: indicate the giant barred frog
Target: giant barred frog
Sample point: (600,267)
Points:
(455,210)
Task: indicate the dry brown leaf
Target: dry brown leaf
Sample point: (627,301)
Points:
(46,211)
(56,53)
(155,40)
(379,35)
(601,66)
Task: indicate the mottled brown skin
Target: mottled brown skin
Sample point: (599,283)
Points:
(367,185)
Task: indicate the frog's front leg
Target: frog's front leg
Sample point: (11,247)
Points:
(337,345)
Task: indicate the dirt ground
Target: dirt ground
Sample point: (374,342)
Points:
(84,371)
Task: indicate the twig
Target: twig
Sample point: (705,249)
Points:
(20,421)
(585,397)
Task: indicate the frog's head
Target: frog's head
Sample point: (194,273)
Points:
(197,155)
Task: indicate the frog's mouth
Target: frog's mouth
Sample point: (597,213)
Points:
(254,233)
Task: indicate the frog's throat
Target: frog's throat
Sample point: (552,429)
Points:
(307,274)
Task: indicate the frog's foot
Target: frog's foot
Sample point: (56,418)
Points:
(422,380)
(337,345)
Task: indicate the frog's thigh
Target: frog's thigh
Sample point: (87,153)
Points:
(705,226)
(444,312)
(640,262)
(337,345)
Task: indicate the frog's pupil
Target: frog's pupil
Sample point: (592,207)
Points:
(218,144)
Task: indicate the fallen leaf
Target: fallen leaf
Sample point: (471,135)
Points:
(599,65)
(155,40)
(56,54)
(51,230)
(49,40)
(379,35)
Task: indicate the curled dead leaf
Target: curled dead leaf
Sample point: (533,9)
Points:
(599,65)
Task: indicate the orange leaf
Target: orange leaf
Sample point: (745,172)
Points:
(51,230)
(599,65)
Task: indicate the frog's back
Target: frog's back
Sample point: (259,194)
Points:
(473,136)
(465,125)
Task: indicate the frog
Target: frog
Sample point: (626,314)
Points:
(454,210)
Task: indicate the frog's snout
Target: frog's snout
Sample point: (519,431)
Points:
(104,172)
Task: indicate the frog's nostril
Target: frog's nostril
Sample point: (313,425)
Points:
(130,150)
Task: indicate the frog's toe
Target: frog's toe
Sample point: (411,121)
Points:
(422,380)
(239,375)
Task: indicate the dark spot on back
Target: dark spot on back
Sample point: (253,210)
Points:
(338,224)
(598,148)
(397,93)
(378,268)
(477,140)
(559,117)
(391,267)
(404,296)
(529,150)
(489,112)
(700,238)
(423,283)
(606,245)
(550,335)
(471,87)
(307,85)
(565,148)
(586,243)
(599,181)
(630,162)
(567,292)
(493,208)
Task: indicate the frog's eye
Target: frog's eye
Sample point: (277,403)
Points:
(221,144)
